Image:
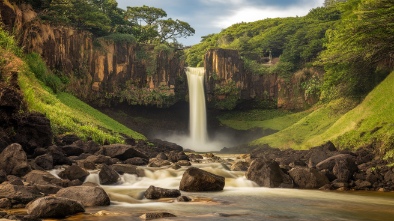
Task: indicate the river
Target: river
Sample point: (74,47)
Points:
(241,199)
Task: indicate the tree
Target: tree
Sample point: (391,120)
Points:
(360,50)
(155,29)
(173,29)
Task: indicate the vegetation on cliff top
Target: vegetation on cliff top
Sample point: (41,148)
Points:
(104,18)
(66,113)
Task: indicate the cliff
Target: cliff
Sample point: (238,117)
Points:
(229,84)
(99,70)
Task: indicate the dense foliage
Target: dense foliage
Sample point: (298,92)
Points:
(104,18)
(352,40)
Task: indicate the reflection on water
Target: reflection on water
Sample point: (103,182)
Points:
(240,200)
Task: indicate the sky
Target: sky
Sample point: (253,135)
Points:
(211,16)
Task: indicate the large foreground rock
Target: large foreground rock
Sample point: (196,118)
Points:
(156,193)
(196,180)
(86,195)
(54,207)
(308,178)
(267,173)
(13,160)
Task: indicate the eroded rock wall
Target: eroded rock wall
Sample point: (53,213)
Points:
(100,71)
(229,84)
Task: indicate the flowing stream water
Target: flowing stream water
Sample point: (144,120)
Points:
(241,199)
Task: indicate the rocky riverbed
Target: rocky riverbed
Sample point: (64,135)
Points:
(58,181)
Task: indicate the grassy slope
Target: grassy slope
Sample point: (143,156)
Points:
(70,115)
(348,127)
(265,119)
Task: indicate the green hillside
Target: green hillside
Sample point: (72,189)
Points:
(66,113)
(370,122)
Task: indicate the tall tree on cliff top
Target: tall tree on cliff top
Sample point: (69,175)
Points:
(153,28)
(360,50)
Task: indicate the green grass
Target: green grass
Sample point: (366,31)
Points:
(347,123)
(370,122)
(70,115)
(265,119)
(316,122)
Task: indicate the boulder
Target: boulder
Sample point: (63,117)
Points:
(124,168)
(72,150)
(183,199)
(184,163)
(43,178)
(196,180)
(54,207)
(239,166)
(98,159)
(44,161)
(59,158)
(343,166)
(86,195)
(108,176)
(5,203)
(158,215)
(67,139)
(320,153)
(19,194)
(156,193)
(153,162)
(161,156)
(34,130)
(14,180)
(138,161)
(13,160)
(121,151)
(308,178)
(48,189)
(74,172)
(267,173)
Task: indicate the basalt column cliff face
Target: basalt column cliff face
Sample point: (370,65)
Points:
(99,70)
(228,84)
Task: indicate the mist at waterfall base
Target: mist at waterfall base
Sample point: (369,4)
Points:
(197,139)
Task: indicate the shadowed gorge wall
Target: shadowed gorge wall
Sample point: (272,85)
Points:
(100,71)
(228,84)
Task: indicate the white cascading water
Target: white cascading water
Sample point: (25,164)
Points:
(197,118)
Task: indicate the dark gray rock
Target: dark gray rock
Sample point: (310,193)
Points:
(184,199)
(5,203)
(137,161)
(267,173)
(13,160)
(308,178)
(121,151)
(320,153)
(197,180)
(108,176)
(59,158)
(54,207)
(72,150)
(86,195)
(74,172)
(156,193)
(44,161)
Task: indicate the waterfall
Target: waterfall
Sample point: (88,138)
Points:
(197,117)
